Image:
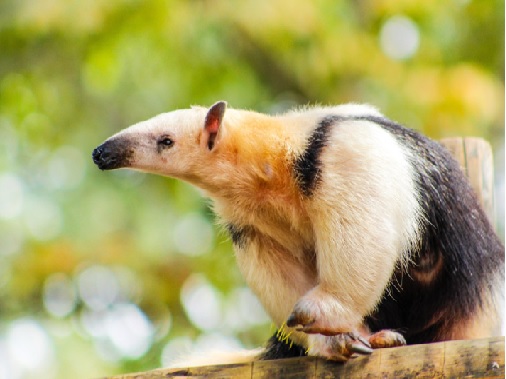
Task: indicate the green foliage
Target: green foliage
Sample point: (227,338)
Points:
(101,271)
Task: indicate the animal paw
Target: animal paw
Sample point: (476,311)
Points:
(318,312)
(386,338)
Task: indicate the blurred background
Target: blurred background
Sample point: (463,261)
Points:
(111,272)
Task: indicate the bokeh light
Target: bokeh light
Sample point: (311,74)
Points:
(129,330)
(65,169)
(243,310)
(122,331)
(399,37)
(43,218)
(60,297)
(29,349)
(202,302)
(11,196)
(11,240)
(98,287)
(193,235)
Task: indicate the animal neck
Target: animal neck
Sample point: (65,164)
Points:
(251,169)
(253,156)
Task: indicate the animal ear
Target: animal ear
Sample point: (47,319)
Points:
(212,125)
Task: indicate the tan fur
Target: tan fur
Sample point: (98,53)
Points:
(486,321)
(427,276)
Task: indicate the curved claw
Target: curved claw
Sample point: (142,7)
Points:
(357,344)
(359,348)
(359,338)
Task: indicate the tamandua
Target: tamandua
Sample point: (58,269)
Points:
(353,231)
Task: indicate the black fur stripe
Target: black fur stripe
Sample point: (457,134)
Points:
(308,166)
(239,235)
(279,348)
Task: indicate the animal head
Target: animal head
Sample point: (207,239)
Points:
(175,144)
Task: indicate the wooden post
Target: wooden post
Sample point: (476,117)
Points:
(483,358)
(476,159)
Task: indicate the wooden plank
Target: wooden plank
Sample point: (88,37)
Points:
(476,160)
(298,368)
(483,358)
(463,362)
(361,367)
(480,169)
(456,147)
(236,371)
(417,361)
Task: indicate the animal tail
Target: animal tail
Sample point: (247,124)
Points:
(212,358)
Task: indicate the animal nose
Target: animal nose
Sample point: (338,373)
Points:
(113,154)
(104,156)
(97,155)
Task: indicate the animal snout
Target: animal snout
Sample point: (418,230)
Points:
(111,155)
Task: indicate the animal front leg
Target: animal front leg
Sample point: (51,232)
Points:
(344,346)
(320,312)
(336,339)
(274,275)
(354,264)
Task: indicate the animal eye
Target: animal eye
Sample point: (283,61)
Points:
(165,142)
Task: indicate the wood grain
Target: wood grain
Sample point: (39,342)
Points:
(483,358)
(476,160)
